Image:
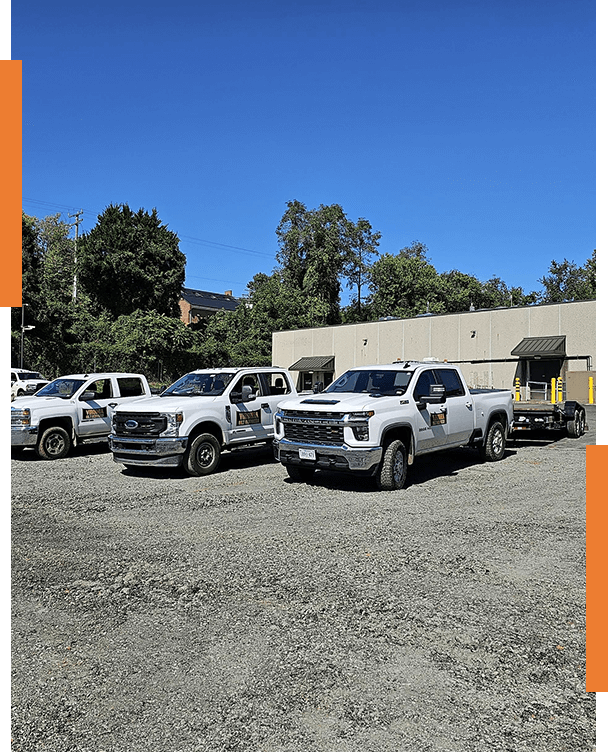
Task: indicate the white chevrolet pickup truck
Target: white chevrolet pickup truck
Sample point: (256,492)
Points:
(198,416)
(375,420)
(72,410)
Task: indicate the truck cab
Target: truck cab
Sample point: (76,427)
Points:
(376,419)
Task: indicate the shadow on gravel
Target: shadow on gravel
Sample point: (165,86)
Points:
(241,458)
(86,450)
(440,465)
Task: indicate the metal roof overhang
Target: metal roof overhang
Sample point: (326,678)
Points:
(541,347)
(314,363)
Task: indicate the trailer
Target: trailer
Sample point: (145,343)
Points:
(569,416)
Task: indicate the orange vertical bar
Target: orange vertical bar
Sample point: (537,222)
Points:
(597,569)
(10,182)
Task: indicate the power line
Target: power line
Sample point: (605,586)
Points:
(186,238)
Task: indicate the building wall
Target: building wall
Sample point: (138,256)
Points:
(473,335)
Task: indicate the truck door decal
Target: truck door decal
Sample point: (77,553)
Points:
(89,413)
(438,419)
(249,418)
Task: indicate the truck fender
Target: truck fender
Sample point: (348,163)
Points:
(207,426)
(570,408)
(64,421)
(501,415)
(404,432)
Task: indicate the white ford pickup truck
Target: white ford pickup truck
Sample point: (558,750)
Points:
(198,416)
(72,410)
(375,420)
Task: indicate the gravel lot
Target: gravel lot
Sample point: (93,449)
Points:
(245,612)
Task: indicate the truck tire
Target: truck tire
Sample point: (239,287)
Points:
(203,455)
(493,448)
(54,444)
(299,473)
(392,472)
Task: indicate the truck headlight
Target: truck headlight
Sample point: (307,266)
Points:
(359,424)
(20,416)
(174,421)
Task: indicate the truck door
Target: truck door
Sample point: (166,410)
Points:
(275,386)
(247,418)
(94,414)
(431,420)
(460,415)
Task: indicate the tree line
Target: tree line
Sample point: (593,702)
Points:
(111,302)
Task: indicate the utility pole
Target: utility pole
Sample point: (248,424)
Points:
(75,224)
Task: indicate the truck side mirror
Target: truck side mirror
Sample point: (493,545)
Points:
(245,396)
(436,396)
(87,396)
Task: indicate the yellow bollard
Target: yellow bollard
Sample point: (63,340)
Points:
(560,384)
(517,390)
(552,391)
(591,390)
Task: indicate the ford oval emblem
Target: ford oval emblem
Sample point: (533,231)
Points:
(131,424)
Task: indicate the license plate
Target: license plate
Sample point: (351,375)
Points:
(308,454)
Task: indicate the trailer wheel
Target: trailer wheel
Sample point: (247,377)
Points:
(576,427)
(493,449)
(392,472)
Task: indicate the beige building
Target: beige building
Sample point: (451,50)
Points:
(493,347)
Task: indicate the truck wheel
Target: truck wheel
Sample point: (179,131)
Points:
(299,473)
(20,392)
(54,444)
(203,456)
(393,468)
(493,448)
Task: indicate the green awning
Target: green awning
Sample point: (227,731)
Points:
(541,347)
(314,363)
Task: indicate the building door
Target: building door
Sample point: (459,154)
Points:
(539,373)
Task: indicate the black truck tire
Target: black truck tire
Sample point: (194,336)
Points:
(54,444)
(203,455)
(493,448)
(392,472)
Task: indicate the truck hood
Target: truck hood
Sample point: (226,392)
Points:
(166,404)
(35,403)
(344,402)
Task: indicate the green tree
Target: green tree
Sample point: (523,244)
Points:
(357,268)
(405,284)
(130,261)
(566,281)
(315,247)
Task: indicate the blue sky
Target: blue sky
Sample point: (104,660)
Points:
(469,125)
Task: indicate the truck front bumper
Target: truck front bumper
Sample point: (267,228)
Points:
(24,436)
(343,457)
(167,452)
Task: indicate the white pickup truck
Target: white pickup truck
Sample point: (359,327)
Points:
(375,420)
(25,382)
(71,410)
(198,416)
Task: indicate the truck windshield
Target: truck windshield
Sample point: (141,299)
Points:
(30,375)
(63,388)
(199,385)
(381,383)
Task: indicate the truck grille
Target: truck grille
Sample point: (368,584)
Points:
(140,424)
(313,427)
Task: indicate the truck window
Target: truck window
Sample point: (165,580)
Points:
(451,380)
(102,389)
(423,385)
(276,383)
(130,387)
(250,379)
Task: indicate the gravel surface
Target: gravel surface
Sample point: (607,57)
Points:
(245,612)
